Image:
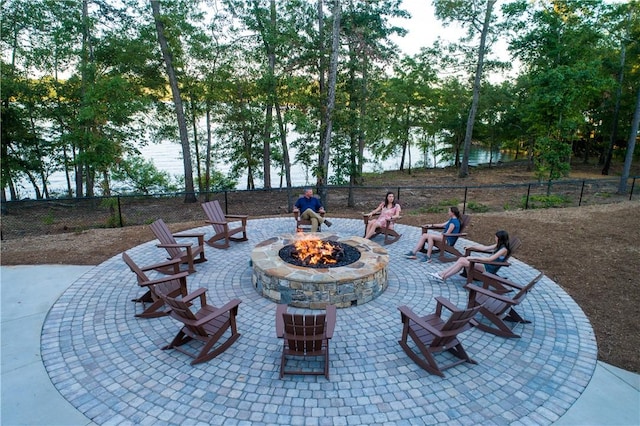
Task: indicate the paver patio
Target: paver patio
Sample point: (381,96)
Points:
(108,364)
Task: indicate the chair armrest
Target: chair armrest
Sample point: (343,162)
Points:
(489,293)
(426,228)
(164,279)
(174,245)
(331,320)
(446,303)
(366,217)
(488,262)
(181,235)
(454,234)
(215,222)
(469,250)
(233,304)
(195,294)
(174,262)
(501,281)
(280,310)
(236,216)
(199,236)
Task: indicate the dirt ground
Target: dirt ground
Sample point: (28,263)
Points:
(592,252)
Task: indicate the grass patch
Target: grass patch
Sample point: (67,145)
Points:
(545,201)
(477,207)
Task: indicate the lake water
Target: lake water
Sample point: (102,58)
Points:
(168,157)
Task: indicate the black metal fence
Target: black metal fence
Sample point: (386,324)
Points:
(42,217)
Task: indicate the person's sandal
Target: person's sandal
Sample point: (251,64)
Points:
(410,255)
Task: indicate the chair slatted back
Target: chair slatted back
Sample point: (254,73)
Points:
(140,275)
(305,334)
(181,311)
(214,213)
(164,235)
(514,245)
(465,220)
(457,323)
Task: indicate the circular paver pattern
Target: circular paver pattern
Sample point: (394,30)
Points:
(109,365)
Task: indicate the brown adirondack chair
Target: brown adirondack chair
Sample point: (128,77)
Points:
(390,235)
(498,309)
(304,224)
(172,285)
(443,246)
(433,334)
(186,252)
(305,336)
(207,325)
(221,225)
(472,274)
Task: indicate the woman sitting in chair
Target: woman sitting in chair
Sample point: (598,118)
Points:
(501,252)
(388,210)
(451,226)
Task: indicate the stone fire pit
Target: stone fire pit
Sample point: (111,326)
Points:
(314,288)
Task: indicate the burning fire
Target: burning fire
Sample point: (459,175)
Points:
(315,251)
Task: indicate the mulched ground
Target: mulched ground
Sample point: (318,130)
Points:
(592,252)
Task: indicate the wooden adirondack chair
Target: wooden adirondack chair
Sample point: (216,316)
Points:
(221,225)
(172,285)
(443,246)
(305,336)
(208,325)
(433,334)
(492,280)
(390,235)
(498,308)
(186,252)
(305,224)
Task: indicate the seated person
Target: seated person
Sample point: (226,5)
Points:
(451,226)
(309,207)
(388,209)
(501,251)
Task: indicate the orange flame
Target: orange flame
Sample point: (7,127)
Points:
(315,251)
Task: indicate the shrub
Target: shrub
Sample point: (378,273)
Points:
(477,207)
(545,201)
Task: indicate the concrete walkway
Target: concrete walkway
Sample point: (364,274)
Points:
(108,366)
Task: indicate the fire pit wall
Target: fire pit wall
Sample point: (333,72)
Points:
(314,288)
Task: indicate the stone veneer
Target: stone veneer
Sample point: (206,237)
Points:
(314,288)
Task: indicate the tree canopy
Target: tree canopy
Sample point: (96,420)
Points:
(259,85)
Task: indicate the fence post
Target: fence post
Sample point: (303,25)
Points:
(226,203)
(120,213)
(398,196)
(464,203)
(633,183)
(581,192)
(526,203)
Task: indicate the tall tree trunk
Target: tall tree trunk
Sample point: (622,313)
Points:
(616,110)
(285,156)
(207,165)
(190,196)
(196,146)
(464,167)
(631,146)
(322,70)
(331,102)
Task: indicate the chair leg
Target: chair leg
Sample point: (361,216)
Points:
(500,329)
(152,310)
(180,339)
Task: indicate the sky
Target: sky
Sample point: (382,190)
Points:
(424,28)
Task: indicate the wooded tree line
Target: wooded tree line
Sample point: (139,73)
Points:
(87,83)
